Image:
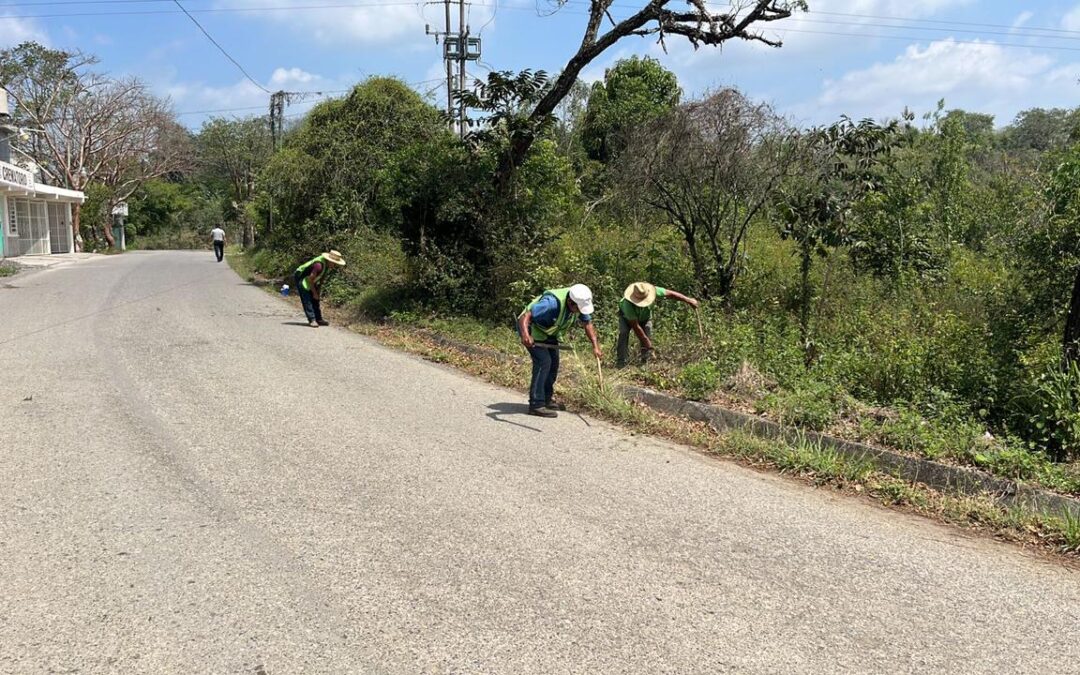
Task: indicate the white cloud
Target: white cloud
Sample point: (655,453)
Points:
(243,98)
(286,77)
(389,24)
(831,28)
(982,77)
(14,31)
(1021,19)
(1071,20)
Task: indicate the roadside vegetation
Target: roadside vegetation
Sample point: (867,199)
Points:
(469,349)
(906,283)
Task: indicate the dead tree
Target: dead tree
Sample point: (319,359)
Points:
(695,22)
(87,127)
(708,168)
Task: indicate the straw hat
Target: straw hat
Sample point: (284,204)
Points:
(641,294)
(335,257)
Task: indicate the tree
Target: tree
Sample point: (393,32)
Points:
(569,116)
(1057,247)
(1041,130)
(89,127)
(696,23)
(709,167)
(337,170)
(838,166)
(234,152)
(633,92)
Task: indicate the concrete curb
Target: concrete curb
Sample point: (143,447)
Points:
(945,477)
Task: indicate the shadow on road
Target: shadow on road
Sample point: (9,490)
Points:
(501,410)
(295,323)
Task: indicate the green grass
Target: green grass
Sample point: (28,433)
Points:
(1067,530)
(7,270)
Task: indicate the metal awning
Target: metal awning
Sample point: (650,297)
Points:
(50,193)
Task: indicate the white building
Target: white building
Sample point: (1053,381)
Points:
(36,218)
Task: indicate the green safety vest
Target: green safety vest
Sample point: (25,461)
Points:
(561,325)
(302,271)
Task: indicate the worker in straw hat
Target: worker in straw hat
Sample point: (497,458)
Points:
(635,314)
(541,324)
(309,279)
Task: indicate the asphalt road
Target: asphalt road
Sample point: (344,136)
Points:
(202,484)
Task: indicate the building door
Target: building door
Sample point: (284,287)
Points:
(39,229)
(59,228)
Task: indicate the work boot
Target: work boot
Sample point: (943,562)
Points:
(313,324)
(322,322)
(554,405)
(540,412)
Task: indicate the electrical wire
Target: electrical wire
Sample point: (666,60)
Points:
(943,22)
(833,22)
(494,12)
(910,38)
(1013,30)
(221,49)
(440,80)
(1020,33)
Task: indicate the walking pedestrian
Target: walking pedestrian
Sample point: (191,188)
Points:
(218,236)
(540,325)
(309,279)
(635,314)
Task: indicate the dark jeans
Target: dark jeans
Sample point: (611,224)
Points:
(311,306)
(545,369)
(219,250)
(622,347)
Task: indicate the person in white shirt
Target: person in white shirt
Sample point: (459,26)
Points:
(218,236)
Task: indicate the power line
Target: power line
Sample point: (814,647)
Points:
(942,22)
(496,5)
(220,48)
(211,10)
(1024,32)
(221,110)
(317,93)
(1018,33)
(833,22)
(919,38)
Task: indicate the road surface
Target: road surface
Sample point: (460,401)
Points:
(200,483)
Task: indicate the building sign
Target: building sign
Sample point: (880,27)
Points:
(13,176)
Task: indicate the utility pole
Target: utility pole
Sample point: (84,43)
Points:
(457,47)
(277,120)
(277,116)
(449,70)
(463,40)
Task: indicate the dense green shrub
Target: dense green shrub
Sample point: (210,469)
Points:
(1056,416)
(699,380)
(810,403)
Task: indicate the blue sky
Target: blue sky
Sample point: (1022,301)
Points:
(856,57)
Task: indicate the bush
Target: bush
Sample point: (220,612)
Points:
(699,380)
(170,240)
(812,404)
(1056,417)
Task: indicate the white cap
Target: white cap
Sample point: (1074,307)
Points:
(582,297)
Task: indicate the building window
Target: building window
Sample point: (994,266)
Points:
(13,217)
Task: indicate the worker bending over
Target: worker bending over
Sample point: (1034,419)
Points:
(309,279)
(635,314)
(541,324)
